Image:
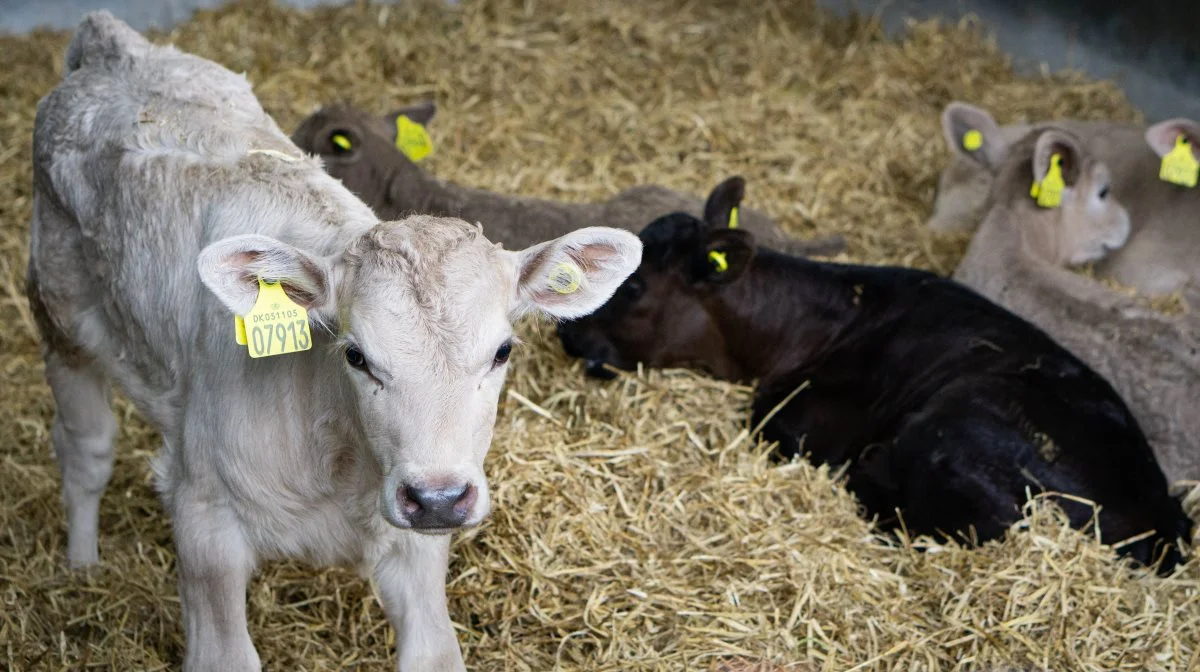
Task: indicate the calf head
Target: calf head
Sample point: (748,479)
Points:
(662,315)
(977,148)
(421,311)
(1087,224)
(360,148)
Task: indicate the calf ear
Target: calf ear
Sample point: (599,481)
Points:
(724,198)
(1067,146)
(572,276)
(725,256)
(1161,136)
(422,113)
(231,267)
(973,134)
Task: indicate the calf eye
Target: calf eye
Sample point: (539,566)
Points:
(502,354)
(355,358)
(633,288)
(1103,192)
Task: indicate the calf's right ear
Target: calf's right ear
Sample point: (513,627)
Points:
(231,268)
(724,257)
(422,113)
(1069,149)
(973,134)
(573,275)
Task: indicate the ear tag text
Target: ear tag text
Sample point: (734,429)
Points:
(718,260)
(341,141)
(276,325)
(972,140)
(1048,192)
(412,139)
(565,278)
(1179,166)
(733,217)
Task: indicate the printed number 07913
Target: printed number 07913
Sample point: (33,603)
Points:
(279,338)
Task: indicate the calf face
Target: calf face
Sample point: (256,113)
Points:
(1087,223)
(660,316)
(422,310)
(359,148)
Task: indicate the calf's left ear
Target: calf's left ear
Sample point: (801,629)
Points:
(726,196)
(1162,136)
(572,276)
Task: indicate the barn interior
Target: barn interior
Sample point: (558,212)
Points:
(638,524)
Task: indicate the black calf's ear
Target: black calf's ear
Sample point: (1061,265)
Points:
(725,256)
(723,202)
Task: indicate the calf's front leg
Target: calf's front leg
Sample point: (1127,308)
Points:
(215,564)
(411,577)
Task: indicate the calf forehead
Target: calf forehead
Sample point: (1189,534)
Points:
(439,277)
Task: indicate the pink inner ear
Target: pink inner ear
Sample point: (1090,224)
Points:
(590,257)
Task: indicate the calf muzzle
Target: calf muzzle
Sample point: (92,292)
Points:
(436,507)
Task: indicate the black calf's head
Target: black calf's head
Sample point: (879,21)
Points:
(661,315)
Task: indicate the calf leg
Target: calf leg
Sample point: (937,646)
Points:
(215,564)
(412,585)
(82,435)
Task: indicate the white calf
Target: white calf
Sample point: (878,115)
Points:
(164,198)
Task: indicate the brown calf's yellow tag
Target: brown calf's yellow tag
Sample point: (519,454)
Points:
(972,140)
(276,325)
(412,139)
(1048,192)
(1179,166)
(565,278)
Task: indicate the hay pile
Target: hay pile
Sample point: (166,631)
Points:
(636,524)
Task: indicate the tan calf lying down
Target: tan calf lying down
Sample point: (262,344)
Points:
(1163,251)
(1017,259)
(359,149)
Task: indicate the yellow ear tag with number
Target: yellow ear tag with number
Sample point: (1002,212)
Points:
(565,278)
(972,140)
(1048,192)
(412,139)
(276,325)
(719,261)
(733,218)
(1179,166)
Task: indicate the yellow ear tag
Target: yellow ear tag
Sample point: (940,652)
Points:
(972,140)
(276,325)
(239,329)
(1179,166)
(412,139)
(719,261)
(341,141)
(1048,192)
(565,278)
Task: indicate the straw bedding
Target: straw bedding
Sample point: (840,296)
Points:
(637,524)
